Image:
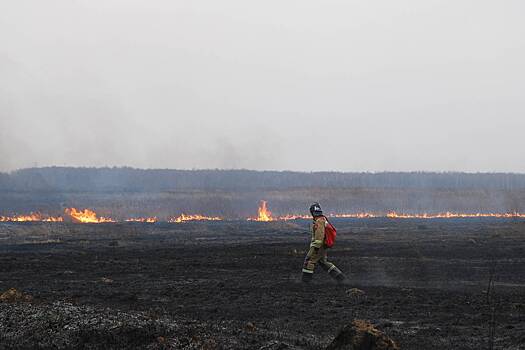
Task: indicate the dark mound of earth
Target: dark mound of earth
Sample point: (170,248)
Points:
(361,335)
(12,295)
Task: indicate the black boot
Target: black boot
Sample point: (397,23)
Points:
(307,277)
(336,274)
(341,279)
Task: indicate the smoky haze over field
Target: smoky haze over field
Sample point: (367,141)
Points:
(404,85)
(125,192)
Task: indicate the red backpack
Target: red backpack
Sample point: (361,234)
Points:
(329,234)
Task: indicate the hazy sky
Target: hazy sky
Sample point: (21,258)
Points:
(300,85)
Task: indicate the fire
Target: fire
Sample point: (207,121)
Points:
(395,215)
(293,217)
(451,215)
(305,217)
(86,216)
(355,215)
(53,219)
(31,217)
(150,220)
(263,213)
(183,218)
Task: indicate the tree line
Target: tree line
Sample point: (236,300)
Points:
(125,179)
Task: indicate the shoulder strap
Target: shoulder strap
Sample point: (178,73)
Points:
(327,220)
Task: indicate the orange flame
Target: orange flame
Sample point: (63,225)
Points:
(53,219)
(293,217)
(86,216)
(183,218)
(451,215)
(395,215)
(363,215)
(354,215)
(263,213)
(31,217)
(150,220)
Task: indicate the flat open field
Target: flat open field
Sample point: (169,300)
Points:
(236,285)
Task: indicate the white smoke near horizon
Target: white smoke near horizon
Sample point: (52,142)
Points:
(298,85)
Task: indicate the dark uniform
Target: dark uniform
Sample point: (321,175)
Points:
(317,253)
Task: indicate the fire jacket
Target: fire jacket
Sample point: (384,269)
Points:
(318,226)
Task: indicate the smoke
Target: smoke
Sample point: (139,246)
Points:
(277,85)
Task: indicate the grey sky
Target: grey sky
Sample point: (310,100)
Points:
(301,85)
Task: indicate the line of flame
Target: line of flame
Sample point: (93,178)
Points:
(452,215)
(196,217)
(150,220)
(89,216)
(31,217)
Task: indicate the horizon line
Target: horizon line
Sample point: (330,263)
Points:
(370,172)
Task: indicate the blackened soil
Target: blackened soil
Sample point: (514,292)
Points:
(237,284)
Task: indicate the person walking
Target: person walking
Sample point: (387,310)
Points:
(323,238)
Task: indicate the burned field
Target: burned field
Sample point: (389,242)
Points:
(428,284)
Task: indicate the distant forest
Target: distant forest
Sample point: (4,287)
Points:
(67,179)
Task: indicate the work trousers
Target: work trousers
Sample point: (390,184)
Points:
(319,256)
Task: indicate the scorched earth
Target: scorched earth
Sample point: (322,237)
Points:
(427,284)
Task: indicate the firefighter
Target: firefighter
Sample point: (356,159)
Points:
(317,253)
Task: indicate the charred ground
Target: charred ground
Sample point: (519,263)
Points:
(237,284)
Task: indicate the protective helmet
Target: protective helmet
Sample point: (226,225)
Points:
(315,209)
